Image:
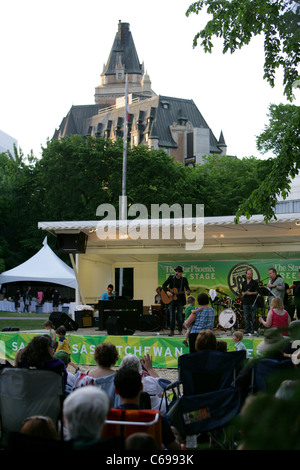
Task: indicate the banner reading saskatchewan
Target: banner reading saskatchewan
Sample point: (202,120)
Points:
(164,350)
(228,276)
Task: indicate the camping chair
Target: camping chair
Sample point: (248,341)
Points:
(210,398)
(28,392)
(267,374)
(126,422)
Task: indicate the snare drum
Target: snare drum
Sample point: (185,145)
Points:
(227,318)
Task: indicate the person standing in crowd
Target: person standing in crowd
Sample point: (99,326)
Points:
(249,293)
(180,283)
(56,299)
(276,285)
(27,299)
(202,317)
(17,298)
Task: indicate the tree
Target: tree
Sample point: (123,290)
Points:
(237,21)
(282,136)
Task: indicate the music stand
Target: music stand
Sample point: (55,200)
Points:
(262,291)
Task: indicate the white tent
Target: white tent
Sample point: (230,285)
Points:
(44,266)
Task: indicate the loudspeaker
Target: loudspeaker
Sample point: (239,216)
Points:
(149,323)
(115,326)
(10,328)
(71,242)
(59,318)
(84,318)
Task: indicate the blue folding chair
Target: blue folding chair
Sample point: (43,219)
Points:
(269,373)
(210,398)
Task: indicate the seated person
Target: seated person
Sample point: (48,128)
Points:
(84,412)
(109,293)
(128,384)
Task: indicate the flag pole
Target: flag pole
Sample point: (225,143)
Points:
(123,199)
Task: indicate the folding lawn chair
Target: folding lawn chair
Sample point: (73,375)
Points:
(25,393)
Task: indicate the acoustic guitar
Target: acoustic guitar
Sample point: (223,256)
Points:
(166,299)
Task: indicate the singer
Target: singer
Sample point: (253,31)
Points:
(249,293)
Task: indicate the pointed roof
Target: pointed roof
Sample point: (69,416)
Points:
(44,266)
(123,52)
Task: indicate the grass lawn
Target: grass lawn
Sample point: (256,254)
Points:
(22,322)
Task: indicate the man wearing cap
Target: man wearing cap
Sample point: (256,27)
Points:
(180,283)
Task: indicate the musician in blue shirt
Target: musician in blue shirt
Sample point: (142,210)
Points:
(109,293)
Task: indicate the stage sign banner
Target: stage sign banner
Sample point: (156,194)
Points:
(164,350)
(228,276)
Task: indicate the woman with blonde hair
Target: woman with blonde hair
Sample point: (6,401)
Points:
(277,317)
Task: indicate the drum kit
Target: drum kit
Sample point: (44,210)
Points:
(231,314)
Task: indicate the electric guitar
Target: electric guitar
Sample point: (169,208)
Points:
(166,299)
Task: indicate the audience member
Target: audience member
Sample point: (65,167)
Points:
(48,325)
(272,345)
(106,356)
(237,338)
(140,441)
(41,427)
(292,345)
(84,414)
(128,384)
(278,426)
(150,379)
(206,339)
(222,345)
(277,317)
(39,354)
(202,318)
(63,342)
(65,357)
(187,311)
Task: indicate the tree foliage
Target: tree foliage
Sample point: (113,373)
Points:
(282,136)
(75,175)
(237,21)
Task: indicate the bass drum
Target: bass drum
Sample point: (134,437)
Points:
(227,318)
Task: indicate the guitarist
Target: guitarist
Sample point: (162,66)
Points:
(180,283)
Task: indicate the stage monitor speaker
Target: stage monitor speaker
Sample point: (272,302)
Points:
(149,323)
(84,318)
(59,318)
(71,242)
(115,326)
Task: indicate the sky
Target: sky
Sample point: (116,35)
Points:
(52,56)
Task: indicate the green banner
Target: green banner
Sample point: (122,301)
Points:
(228,276)
(164,350)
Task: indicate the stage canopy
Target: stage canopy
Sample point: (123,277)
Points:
(44,266)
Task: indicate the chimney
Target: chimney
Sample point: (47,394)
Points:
(123,32)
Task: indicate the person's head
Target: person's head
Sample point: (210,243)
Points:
(178,271)
(106,354)
(132,362)
(128,383)
(190,300)
(48,325)
(38,351)
(158,290)
(221,345)
(206,339)
(41,427)
(276,302)
(249,274)
(63,356)
(140,441)
(110,289)
(237,336)
(61,330)
(203,298)
(272,273)
(85,411)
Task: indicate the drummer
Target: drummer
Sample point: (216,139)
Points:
(249,293)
